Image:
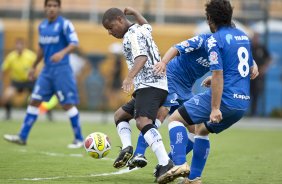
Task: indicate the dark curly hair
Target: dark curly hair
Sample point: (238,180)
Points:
(219,12)
(112,14)
(58,1)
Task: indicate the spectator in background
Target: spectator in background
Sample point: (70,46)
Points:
(263,59)
(16,66)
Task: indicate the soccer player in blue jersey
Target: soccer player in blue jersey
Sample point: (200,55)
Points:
(57,38)
(184,64)
(230,60)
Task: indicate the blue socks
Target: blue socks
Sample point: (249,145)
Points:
(30,118)
(178,142)
(141,145)
(201,151)
(74,118)
(189,146)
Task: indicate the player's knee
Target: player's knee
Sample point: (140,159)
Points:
(120,115)
(35,103)
(201,130)
(141,122)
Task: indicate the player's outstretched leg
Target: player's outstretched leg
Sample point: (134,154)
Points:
(30,118)
(139,159)
(124,132)
(178,141)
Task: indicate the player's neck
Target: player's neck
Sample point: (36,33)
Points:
(52,19)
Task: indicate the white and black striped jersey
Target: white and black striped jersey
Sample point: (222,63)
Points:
(138,41)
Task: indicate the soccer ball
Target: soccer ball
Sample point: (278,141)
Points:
(97,145)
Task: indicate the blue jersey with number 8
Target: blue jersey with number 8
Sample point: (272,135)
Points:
(229,50)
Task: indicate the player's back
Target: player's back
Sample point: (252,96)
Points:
(190,65)
(230,50)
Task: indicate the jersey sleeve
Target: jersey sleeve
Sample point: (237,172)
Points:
(7,63)
(214,57)
(138,44)
(69,32)
(190,45)
(148,27)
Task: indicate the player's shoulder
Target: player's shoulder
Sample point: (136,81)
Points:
(11,55)
(29,52)
(43,24)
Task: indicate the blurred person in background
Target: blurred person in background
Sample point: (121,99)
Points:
(57,39)
(263,59)
(16,66)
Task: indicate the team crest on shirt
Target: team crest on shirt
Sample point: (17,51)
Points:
(213,58)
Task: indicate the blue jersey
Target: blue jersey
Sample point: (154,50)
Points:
(55,36)
(190,65)
(229,50)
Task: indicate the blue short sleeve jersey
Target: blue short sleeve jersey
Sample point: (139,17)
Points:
(190,65)
(229,50)
(56,77)
(55,36)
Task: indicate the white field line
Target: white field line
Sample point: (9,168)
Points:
(62,154)
(123,171)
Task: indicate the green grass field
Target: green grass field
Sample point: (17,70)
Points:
(239,156)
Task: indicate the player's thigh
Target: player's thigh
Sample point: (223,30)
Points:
(196,110)
(148,101)
(230,116)
(126,112)
(42,90)
(65,86)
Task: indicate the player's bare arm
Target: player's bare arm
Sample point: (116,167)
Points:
(39,57)
(217,88)
(139,62)
(160,67)
(60,55)
(254,70)
(139,18)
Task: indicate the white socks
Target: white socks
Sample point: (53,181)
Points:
(124,132)
(154,140)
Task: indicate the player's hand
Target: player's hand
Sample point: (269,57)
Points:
(57,57)
(254,71)
(129,11)
(31,74)
(127,84)
(215,116)
(159,68)
(207,82)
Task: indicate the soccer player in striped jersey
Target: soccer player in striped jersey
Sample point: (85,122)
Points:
(150,89)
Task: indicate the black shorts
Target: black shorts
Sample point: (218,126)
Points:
(21,86)
(146,102)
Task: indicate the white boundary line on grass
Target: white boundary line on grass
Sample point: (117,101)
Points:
(123,171)
(61,154)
